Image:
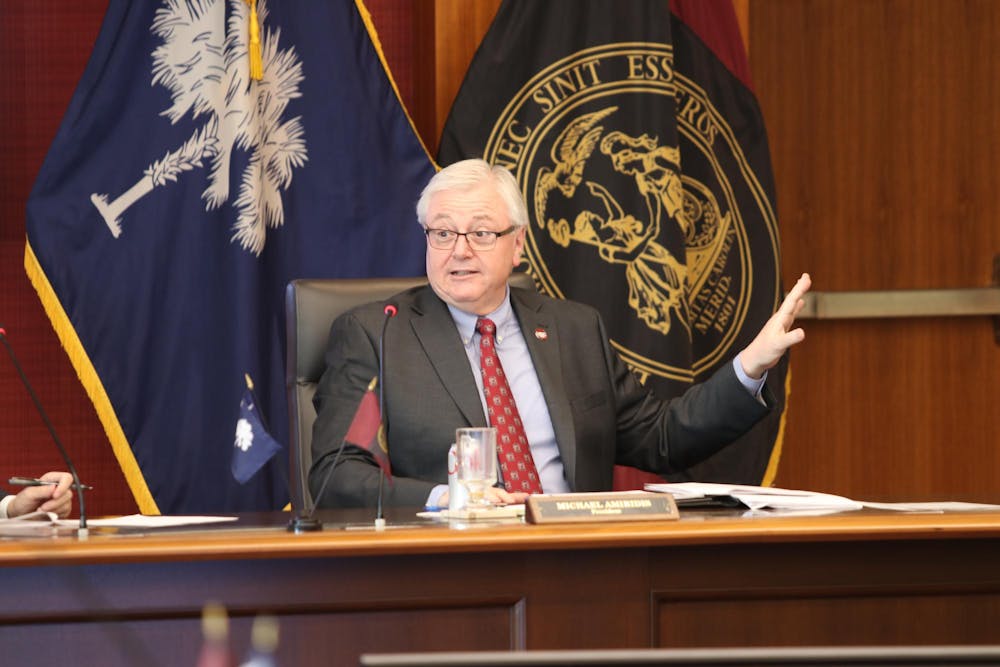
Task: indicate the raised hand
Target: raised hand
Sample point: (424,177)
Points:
(777,335)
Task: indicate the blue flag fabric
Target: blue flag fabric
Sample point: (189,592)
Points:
(253,446)
(178,199)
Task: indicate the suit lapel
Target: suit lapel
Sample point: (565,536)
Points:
(436,333)
(541,335)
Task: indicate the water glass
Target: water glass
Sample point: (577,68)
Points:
(477,463)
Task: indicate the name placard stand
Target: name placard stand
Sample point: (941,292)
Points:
(600,507)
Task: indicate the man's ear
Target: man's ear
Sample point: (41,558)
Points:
(519,244)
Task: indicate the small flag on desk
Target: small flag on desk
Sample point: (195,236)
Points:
(367,431)
(253,446)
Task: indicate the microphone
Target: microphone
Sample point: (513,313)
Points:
(390,311)
(82,532)
(309,523)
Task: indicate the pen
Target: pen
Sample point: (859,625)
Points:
(34,481)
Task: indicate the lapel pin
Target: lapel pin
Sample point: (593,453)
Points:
(541,334)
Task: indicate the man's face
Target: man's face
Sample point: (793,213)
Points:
(474,281)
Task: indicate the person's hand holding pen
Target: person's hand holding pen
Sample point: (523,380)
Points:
(52,492)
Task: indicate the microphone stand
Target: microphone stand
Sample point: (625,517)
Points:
(390,311)
(82,531)
(379,519)
(309,523)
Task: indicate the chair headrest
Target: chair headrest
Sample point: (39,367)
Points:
(311,305)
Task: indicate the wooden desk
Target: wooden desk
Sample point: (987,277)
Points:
(710,579)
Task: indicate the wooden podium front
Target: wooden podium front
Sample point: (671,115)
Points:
(710,579)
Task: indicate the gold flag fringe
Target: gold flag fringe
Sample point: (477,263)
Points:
(90,381)
(772,465)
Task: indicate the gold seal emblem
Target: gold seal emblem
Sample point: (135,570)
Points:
(635,185)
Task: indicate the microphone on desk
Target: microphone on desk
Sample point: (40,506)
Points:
(309,523)
(82,531)
(390,311)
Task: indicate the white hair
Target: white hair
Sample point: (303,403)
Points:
(468,174)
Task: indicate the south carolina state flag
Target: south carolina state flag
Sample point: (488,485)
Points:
(180,196)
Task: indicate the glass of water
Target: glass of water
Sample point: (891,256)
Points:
(476,449)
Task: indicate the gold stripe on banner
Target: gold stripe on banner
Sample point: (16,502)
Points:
(772,463)
(90,380)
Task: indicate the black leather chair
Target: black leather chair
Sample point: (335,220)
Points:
(311,305)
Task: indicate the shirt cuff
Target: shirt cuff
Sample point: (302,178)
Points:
(755,387)
(4,502)
(434,499)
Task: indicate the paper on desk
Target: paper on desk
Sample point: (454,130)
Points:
(758,497)
(499,512)
(950,506)
(31,518)
(144,521)
(793,512)
(35,523)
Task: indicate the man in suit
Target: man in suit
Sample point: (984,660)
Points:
(582,410)
(55,497)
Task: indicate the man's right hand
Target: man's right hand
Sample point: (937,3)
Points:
(495,495)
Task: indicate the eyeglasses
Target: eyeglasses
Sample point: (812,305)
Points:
(480,239)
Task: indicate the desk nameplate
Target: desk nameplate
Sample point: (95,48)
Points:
(600,507)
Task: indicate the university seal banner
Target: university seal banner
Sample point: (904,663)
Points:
(213,151)
(644,163)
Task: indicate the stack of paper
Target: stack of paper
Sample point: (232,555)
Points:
(754,497)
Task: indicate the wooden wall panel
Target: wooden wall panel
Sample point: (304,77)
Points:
(883,128)
(884,132)
(458,27)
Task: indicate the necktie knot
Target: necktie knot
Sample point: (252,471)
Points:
(485,327)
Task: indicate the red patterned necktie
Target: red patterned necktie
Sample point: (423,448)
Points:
(519,472)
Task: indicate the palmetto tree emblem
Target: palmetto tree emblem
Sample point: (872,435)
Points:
(203,62)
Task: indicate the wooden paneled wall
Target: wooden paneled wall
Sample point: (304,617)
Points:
(884,132)
(449,33)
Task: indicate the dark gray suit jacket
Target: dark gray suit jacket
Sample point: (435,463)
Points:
(602,416)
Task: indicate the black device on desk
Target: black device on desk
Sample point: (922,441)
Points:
(709,502)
